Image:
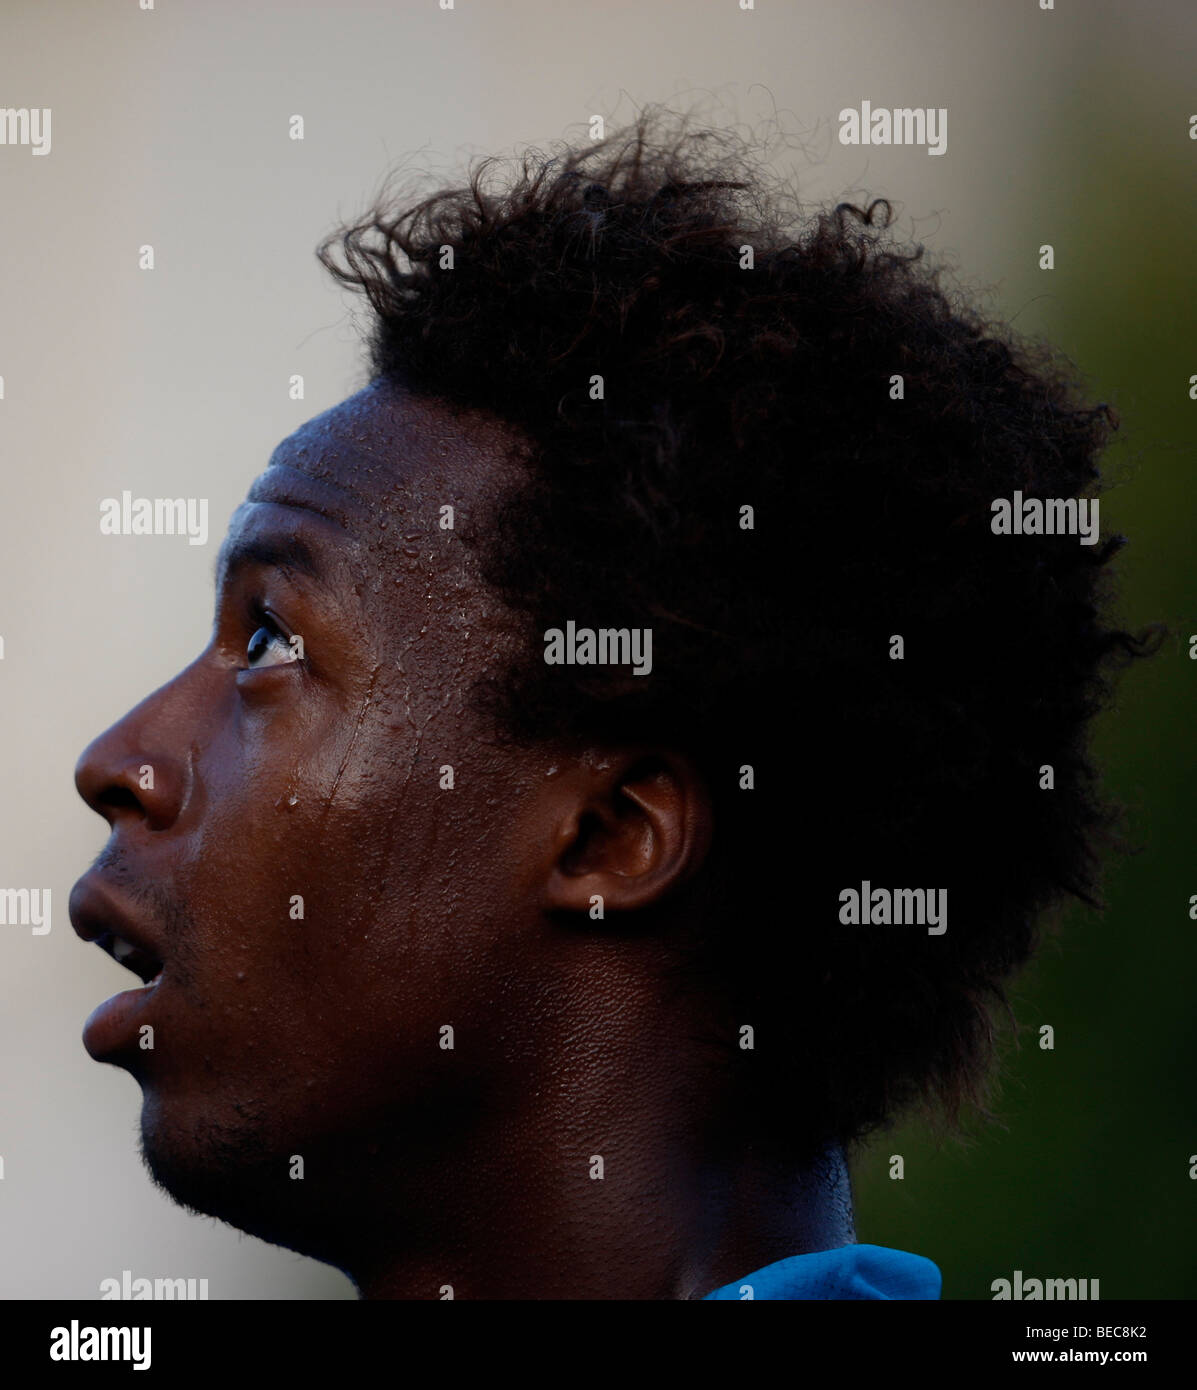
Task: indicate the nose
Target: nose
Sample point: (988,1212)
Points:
(129,773)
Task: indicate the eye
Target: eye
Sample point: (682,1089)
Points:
(268,647)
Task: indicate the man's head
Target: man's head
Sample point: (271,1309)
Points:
(629,390)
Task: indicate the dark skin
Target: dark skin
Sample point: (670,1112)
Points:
(423,906)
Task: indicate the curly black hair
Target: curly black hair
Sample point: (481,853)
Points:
(746,350)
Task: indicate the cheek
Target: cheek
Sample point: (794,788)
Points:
(345,885)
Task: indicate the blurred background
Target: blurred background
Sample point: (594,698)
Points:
(1068,127)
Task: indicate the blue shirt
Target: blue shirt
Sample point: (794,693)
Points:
(852,1271)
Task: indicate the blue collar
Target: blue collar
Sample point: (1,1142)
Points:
(852,1271)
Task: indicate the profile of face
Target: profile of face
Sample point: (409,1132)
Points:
(338,882)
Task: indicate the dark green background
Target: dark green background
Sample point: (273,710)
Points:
(1087,1175)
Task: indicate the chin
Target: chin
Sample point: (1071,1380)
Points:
(232,1172)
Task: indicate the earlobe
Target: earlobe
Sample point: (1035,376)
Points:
(637,829)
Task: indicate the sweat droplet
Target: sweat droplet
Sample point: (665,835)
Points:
(292,800)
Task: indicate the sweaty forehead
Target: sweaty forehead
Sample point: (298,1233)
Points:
(386,448)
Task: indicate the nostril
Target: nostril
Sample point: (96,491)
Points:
(117,798)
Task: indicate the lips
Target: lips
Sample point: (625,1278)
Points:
(142,963)
(98,914)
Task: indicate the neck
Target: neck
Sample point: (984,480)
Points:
(607,1177)
(647,1229)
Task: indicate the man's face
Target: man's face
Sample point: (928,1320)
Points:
(323,901)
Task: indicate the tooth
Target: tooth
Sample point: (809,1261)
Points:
(122,950)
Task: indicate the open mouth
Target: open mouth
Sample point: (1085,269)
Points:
(146,967)
(117,1029)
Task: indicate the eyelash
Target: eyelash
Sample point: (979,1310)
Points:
(258,616)
(261,616)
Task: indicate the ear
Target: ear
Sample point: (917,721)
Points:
(628,827)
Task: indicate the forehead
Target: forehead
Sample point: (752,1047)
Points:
(386,450)
(359,492)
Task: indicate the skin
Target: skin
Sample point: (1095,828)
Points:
(423,907)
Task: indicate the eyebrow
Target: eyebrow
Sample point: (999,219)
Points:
(277,552)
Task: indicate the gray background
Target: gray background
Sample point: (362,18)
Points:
(170,127)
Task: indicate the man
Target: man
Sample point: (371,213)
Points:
(629,756)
